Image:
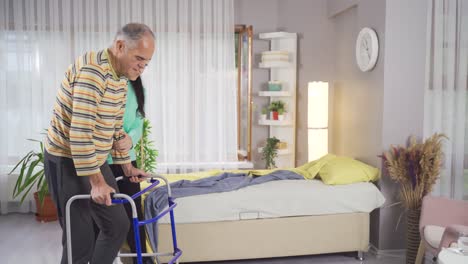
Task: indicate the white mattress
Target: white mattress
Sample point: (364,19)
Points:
(278,199)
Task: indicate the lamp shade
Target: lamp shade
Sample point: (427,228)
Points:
(317,106)
(317,143)
(317,119)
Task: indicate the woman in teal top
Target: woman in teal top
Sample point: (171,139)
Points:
(133,127)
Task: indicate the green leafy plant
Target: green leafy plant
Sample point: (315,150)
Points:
(276,106)
(264,111)
(146,154)
(31,174)
(270,152)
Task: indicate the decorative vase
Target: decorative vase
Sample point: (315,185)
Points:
(412,234)
(47,212)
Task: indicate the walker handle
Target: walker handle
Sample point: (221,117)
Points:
(127,179)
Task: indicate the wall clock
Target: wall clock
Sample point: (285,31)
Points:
(367,49)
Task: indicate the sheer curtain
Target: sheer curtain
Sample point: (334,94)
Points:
(194,91)
(190,82)
(446,90)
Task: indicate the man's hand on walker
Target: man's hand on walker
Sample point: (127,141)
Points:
(100,190)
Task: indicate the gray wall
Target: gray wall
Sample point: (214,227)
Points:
(376,109)
(368,111)
(403,107)
(315,52)
(357,97)
(335,7)
(307,18)
(263,16)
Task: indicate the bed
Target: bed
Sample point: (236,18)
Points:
(273,219)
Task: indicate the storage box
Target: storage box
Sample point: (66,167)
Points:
(282,145)
(274,86)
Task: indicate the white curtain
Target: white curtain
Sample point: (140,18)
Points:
(194,85)
(190,84)
(446,90)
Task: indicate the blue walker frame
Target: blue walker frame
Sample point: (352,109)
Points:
(120,198)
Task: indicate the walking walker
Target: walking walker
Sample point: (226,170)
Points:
(119,198)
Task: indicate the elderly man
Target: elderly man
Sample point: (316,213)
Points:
(87,118)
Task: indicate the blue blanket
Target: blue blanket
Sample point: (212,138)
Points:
(157,201)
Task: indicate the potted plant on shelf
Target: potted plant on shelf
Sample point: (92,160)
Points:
(275,107)
(416,167)
(263,116)
(270,152)
(281,114)
(31,174)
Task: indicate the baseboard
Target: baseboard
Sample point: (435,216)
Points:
(379,253)
(396,253)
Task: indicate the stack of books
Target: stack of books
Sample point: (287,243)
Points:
(275,55)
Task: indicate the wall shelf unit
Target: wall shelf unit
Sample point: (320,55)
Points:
(274,93)
(280,151)
(275,64)
(285,72)
(270,122)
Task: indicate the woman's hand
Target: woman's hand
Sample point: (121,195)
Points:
(133,173)
(124,144)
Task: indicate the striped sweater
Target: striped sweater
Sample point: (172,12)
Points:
(88,114)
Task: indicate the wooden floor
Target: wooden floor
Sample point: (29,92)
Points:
(23,240)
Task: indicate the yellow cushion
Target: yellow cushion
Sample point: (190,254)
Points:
(344,170)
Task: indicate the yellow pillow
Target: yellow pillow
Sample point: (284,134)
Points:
(312,168)
(344,170)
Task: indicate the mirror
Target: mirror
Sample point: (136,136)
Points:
(243,52)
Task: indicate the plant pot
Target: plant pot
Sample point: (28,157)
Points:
(47,212)
(274,115)
(412,234)
(263,117)
(280,117)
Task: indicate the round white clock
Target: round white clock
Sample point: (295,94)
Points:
(367,49)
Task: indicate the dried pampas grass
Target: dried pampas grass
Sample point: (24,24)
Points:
(416,167)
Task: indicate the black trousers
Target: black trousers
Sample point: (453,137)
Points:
(131,188)
(89,244)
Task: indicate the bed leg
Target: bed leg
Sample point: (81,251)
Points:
(360,256)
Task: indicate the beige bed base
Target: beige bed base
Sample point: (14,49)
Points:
(266,238)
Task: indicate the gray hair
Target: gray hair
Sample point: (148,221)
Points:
(132,32)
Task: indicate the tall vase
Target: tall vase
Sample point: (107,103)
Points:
(412,234)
